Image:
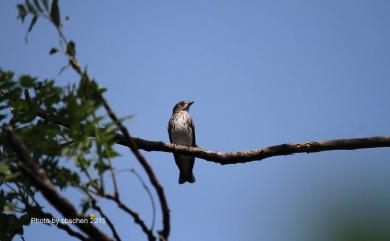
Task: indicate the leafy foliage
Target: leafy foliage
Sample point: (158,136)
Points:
(60,126)
(55,13)
(62,130)
(56,124)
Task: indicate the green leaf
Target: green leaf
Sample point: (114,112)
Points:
(55,13)
(109,152)
(83,163)
(33,21)
(101,167)
(71,49)
(4,169)
(53,51)
(13,177)
(27,81)
(8,207)
(93,183)
(22,12)
(84,206)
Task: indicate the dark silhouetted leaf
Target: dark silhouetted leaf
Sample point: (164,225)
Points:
(9,226)
(71,49)
(33,21)
(22,12)
(53,51)
(75,65)
(85,206)
(55,13)
(27,81)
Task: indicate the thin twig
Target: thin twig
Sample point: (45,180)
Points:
(136,174)
(100,159)
(114,182)
(133,214)
(60,225)
(149,171)
(108,220)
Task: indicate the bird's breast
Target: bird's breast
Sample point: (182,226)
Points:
(181,132)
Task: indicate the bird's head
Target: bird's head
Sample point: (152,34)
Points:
(182,105)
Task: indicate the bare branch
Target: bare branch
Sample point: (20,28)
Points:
(146,188)
(260,154)
(66,228)
(113,177)
(149,194)
(224,158)
(29,208)
(148,169)
(71,232)
(108,220)
(129,211)
(40,180)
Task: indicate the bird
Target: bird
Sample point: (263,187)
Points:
(181,130)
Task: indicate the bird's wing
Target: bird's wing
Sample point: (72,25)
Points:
(170,127)
(192,126)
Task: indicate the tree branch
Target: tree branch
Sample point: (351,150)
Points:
(164,233)
(149,194)
(132,213)
(108,220)
(224,158)
(39,213)
(39,179)
(66,228)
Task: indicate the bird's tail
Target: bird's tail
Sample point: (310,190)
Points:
(184,177)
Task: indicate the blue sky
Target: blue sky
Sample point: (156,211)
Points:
(260,73)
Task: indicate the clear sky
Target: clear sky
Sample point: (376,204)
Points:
(260,73)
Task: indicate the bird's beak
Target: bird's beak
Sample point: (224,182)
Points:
(190,103)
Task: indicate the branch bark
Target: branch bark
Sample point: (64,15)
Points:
(67,229)
(225,158)
(39,179)
(96,207)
